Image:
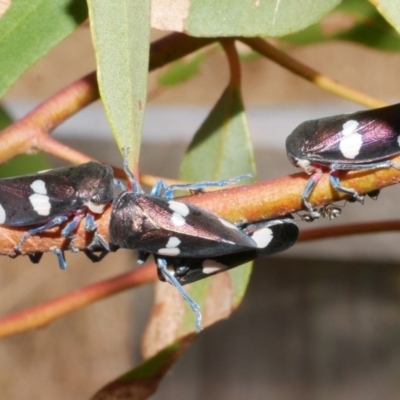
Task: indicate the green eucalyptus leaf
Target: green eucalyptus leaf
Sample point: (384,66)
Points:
(390,10)
(253,18)
(24,164)
(311,35)
(220,149)
(5,119)
(30,29)
(121,37)
(369,28)
(375,33)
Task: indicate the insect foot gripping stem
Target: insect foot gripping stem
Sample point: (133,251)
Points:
(363,140)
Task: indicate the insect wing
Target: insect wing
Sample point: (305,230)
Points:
(283,235)
(170,228)
(200,232)
(364,136)
(33,200)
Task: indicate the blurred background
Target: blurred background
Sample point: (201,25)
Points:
(321,321)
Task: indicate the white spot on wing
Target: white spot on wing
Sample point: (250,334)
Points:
(2,214)
(211,266)
(179,207)
(39,187)
(177,219)
(351,142)
(171,251)
(398,140)
(40,203)
(349,127)
(171,248)
(262,237)
(39,200)
(173,242)
(226,223)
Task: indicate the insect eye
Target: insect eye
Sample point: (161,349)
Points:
(95,199)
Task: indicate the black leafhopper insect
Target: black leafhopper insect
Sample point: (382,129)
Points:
(361,140)
(277,235)
(169,228)
(50,198)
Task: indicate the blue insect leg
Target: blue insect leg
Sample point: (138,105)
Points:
(71,226)
(98,240)
(163,268)
(119,185)
(377,165)
(60,255)
(335,182)
(161,189)
(307,192)
(90,224)
(134,183)
(54,222)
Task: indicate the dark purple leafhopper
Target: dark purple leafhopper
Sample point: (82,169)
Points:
(52,197)
(277,235)
(175,231)
(361,140)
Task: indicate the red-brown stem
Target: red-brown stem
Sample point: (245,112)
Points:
(233,61)
(28,134)
(243,203)
(37,316)
(322,81)
(350,229)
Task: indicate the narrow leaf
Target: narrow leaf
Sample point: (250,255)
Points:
(121,34)
(221,149)
(30,29)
